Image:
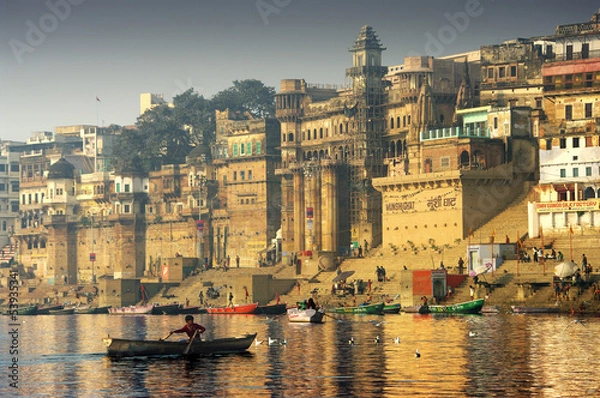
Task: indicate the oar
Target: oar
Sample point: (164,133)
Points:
(187,349)
(337,319)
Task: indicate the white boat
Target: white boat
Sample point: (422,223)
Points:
(131,310)
(311,315)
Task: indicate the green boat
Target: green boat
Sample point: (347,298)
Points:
(392,308)
(468,307)
(29,310)
(375,309)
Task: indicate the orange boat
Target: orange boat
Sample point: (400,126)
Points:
(236,309)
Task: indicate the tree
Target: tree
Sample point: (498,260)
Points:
(250,96)
(196,114)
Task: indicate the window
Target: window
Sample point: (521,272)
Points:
(588,79)
(2,167)
(585,50)
(2,187)
(563,173)
(588,110)
(118,187)
(563,143)
(249,174)
(495,123)
(127,188)
(242,149)
(249,148)
(235,150)
(588,141)
(568,112)
(538,102)
(14,167)
(568,82)
(445,162)
(549,51)
(513,71)
(126,209)
(588,171)
(501,72)
(575,142)
(258,146)
(235,176)
(548,144)
(14,206)
(490,73)
(569,52)
(242,175)
(575,172)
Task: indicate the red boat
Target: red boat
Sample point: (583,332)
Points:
(236,309)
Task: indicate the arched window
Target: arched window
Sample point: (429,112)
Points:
(464,159)
(391,123)
(398,122)
(315,134)
(321,132)
(404,121)
(283,137)
(341,128)
(290,137)
(408,120)
(392,150)
(588,193)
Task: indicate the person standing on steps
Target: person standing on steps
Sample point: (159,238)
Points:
(230,304)
(201,297)
(237,260)
(461,265)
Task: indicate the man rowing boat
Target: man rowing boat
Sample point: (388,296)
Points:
(190,328)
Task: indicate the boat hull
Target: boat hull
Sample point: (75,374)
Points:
(391,309)
(275,309)
(305,316)
(236,309)
(167,309)
(64,311)
(374,309)
(131,310)
(468,307)
(534,310)
(133,348)
(30,310)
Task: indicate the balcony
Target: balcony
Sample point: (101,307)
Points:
(454,132)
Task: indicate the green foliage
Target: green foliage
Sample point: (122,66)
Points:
(166,135)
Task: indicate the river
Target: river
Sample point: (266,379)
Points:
(500,355)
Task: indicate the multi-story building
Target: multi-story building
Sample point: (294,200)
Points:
(570,133)
(9,198)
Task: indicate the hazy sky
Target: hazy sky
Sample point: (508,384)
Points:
(57,56)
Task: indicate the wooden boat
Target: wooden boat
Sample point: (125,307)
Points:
(391,308)
(191,310)
(103,310)
(166,309)
(468,307)
(534,310)
(273,309)
(131,310)
(28,310)
(46,310)
(490,309)
(133,348)
(414,309)
(308,316)
(63,311)
(236,309)
(375,309)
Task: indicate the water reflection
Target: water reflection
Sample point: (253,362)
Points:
(504,355)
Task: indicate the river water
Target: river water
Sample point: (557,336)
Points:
(499,355)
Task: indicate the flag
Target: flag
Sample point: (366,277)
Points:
(276,297)
(493,235)
(98,99)
(541,233)
(571,229)
(470,231)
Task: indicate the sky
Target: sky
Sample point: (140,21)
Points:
(57,57)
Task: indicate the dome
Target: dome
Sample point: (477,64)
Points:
(61,169)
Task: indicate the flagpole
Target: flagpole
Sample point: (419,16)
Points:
(518,252)
(469,265)
(493,238)
(571,241)
(543,259)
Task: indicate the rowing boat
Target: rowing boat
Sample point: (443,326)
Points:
(391,308)
(133,348)
(311,315)
(236,309)
(468,307)
(131,310)
(534,310)
(273,309)
(375,309)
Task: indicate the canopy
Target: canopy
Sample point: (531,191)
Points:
(342,276)
(566,269)
(480,269)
